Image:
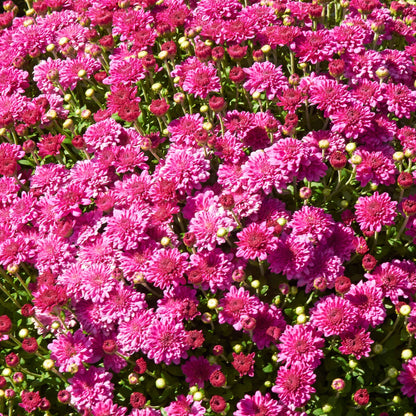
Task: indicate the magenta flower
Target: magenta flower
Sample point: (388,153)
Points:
(264,76)
(375,211)
(294,384)
(70,351)
(333,315)
(256,241)
(407,378)
(258,404)
(201,81)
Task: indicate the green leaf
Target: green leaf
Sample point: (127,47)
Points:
(268,368)
(264,289)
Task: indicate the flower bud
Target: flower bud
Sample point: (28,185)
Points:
(48,364)
(133,378)
(198,396)
(206,318)
(407,354)
(160,383)
(377,348)
(255,284)
(222,232)
(338,384)
(405,310)
(351,147)
(237,348)
(301,319)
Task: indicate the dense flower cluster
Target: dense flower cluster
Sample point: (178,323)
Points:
(207,207)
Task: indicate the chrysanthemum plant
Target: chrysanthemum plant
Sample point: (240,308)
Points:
(207,208)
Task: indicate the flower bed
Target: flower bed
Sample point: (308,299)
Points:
(207,208)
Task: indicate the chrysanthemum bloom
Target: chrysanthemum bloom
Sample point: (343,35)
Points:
(50,145)
(236,304)
(301,343)
(264,76)
(184,406)
(9,155)
(357,343)
(100,135)
(30,400)
(183,129)
(256,241)
(294,384)
(392,280)
(179,302)
(258,405)
(49,297)
(368,93)
(407,378)
(352,121)
(187,169)
(333,315)
(96,284)
(269,325)
(123,304)
(126,227)
(314,46)
(312,222)
(107,407)
(45,73)
(244,364)
(71,350)
(328,95)
(205,225)
(400,100)
(361,397)
(375,211)
(165,341)
(90,387)
(167,267)
(131,334)
(201,81)
(375,167)
(69,70)
(197,370)
(259,173)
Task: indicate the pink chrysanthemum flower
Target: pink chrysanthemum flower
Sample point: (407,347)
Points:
(123,304)
(45,72)
(48,178)
(375,211)
(165,341)
(179,302)
(400,100)
(258,405)
(15,250)
(236,304)
(107,407)
(375,167)
(211,269)
(53,253)
(183,129)
(13,80)
(188,169)
(90,387)
(126,228)
(357,343)
(197,370)
(132,189)
(392,279)
(328,95)
(369,93)
(100,135)
(185,406)
(70,351)
(294,384)
(205,226)
(264,76)
(407,378)
(333,315)
(259,173)
(201,81)
(132,334)
(314,46)
(367,297)
(166,267)
(301,343)
(352,121)
(147,411)
(97,283)
(313,223)
(68,72)
(256,241)
(291,257)
(268,318)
